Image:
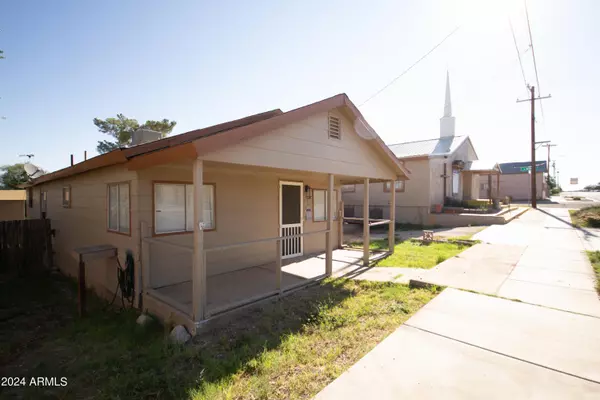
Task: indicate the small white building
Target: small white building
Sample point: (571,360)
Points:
(439,170)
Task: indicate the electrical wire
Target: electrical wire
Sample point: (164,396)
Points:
(411,67)
(518,53)
(537,79)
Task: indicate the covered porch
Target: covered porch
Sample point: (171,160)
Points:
(230,290)
(267,237)
(481,181)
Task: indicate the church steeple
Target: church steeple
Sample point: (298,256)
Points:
(447,122)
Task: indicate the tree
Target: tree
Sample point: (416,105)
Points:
(121,128)
(12,176)
(1,55)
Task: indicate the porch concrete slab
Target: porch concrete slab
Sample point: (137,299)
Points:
(556,339)
(344,262)
(482,268)
(545,276)
(416,364)
(559,297)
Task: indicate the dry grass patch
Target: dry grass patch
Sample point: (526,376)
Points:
(588,217)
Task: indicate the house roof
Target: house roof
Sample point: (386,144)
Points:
(521,167)
(18,195)
(441,146)
(202,141)
(483,165)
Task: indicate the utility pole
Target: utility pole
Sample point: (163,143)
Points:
(533,168)
(548,145)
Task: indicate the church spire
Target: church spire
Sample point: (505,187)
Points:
(448,102)
(447,121)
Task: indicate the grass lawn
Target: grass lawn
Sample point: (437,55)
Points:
(411,254)
(288,348)
(588,217)
(595,260)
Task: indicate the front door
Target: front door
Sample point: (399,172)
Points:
(290,218)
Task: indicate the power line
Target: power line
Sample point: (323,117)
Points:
(537,79)
(518,54)
(411,67)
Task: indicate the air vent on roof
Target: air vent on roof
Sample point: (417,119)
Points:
(335,127)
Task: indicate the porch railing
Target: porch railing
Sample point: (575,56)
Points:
(149,267)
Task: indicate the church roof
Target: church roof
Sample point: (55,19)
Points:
(431,147)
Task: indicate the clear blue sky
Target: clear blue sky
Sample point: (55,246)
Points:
(202,63)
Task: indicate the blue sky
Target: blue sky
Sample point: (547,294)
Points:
(202,63)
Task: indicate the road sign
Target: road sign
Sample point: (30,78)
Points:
(525,169)
(574,181)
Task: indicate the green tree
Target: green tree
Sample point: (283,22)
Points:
(1,55)
(121,128)
(12,176)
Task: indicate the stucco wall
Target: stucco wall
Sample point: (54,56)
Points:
(411,204)
(85,223)
(306,145)
(247,209)
(12,210)
(515,185)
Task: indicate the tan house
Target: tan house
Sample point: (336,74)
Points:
(439,170)
(12,205)
(210,214)
(515,181)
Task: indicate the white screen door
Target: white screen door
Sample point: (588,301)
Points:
(290,218)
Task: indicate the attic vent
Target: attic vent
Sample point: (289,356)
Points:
(335,127)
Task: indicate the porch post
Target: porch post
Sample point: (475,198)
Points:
(366,239)
(341,223)
(145,231)
(392,226)
(328,241)
(498,186)
(198,265)
(490,188)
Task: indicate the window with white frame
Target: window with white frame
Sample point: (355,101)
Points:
(118,208)
(320,205)
(174,207)
(398,186)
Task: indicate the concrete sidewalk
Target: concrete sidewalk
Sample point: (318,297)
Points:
(469,346)
(539,258)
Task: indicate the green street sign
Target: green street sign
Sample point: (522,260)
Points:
(525,169)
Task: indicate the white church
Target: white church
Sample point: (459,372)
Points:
(440,171)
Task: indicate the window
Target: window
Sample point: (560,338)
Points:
(335,127)
(66,197)
(30,197)
(320,205)
(348,188)
(118,208)
(174,207)
(398,185)
(455,181)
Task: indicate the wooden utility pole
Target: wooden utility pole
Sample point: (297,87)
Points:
(548,145)
(533,168)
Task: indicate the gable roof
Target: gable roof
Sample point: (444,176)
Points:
(483,166)
(516,167)
(442,146)
(13,195)
(202,141)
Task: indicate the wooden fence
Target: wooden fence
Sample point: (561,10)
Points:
(25,245)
